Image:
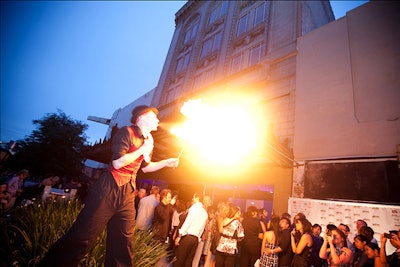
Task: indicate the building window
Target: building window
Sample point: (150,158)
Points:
(255,54)
(191,31)
(182,63)
(253,18)
(211,45)
(260,14)
(242,25)
(173,93)
(219,11)
(236,64)
(203,79)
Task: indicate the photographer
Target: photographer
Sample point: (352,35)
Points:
(338,254)
(392,260)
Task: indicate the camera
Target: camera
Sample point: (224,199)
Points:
(388,236)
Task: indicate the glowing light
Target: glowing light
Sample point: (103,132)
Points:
(222,133)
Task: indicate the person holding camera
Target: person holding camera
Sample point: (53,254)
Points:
(301,248)
(338,254)
(393,260)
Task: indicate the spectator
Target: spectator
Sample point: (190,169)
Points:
(262,215)
(162,220)
(392,260)
(190,233)
(301,248)
(231,231)
(373,252)
(147,205)
(296,217)
(15,186)
(286,215)
(253,234)
(315,260)
(210,229)
(368,232)
(163,215)
(5,198)
(329,228)
(297,234)
(269,252)
(360,258)
(285,255)
(360,223)
(222,213)
(200,247)
(141,193)
(338,254)
(346,230)
(180,208)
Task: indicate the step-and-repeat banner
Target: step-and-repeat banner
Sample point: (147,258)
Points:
(381,218)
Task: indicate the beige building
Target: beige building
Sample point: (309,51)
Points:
(239,47)
(347,126)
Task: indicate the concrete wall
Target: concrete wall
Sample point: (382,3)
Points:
(348,86)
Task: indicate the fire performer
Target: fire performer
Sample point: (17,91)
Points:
(111,201)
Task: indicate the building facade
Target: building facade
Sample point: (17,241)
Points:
(329,92)
(240,47)
(347,127)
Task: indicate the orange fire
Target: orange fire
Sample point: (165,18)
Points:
(221,133)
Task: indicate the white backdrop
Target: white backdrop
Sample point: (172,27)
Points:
(381,218)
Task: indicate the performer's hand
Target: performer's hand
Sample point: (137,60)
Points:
(172,162)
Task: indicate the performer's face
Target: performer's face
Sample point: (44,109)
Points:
(149,120)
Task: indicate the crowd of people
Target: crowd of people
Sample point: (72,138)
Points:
(201,234)
(13,190)
(198,233)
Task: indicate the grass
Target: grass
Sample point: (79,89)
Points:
(31,230)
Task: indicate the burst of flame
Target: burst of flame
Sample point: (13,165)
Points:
(222,133)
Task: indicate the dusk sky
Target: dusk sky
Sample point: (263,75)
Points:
(85,58)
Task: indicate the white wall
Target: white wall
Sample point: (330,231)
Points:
(381,218)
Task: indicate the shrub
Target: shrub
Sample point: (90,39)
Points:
(32,229)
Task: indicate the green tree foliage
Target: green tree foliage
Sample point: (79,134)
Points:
(53,147)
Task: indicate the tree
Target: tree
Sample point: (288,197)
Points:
(53,147)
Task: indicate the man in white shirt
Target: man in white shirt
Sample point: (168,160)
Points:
(196,260)
(190,233)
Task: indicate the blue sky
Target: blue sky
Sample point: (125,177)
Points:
(86,58)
